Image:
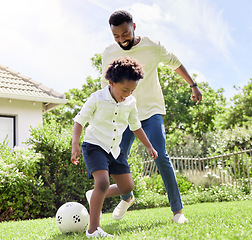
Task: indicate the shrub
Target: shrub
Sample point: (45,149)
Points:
(22,194)
(66,181)
(221,193)
(155,183)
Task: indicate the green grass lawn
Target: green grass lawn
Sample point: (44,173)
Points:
(226,220)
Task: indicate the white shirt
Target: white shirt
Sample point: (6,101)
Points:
(148,94)
(107,120)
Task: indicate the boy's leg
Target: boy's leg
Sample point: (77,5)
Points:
(125,185)
(100,189)
(155,131)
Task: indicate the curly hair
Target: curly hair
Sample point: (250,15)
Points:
(119,17)
(122,69)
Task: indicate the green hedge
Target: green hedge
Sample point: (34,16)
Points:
(23,194)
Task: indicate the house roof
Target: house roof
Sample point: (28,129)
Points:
(13,85)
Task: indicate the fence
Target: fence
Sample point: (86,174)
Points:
(230,168)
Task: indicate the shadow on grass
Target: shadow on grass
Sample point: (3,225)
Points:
(120,227)
(115,228)
(60,236)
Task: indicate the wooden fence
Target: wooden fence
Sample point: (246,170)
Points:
(230,168)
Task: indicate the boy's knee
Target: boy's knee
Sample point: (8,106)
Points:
(103,185)
(129,188)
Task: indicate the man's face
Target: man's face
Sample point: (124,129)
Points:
(124,35)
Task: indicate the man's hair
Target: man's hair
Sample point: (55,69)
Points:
(119,17)
(124,69)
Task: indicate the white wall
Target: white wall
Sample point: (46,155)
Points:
(28,114)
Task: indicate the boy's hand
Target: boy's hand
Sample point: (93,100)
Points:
(76,152)
(153,152)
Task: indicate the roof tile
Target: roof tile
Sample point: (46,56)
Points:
(15,83)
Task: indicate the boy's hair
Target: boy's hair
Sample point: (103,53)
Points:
(122,69)
(119,17)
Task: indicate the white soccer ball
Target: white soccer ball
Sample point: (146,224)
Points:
(72,217)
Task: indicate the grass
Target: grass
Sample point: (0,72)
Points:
(225,220)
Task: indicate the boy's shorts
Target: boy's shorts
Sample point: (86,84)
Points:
(98,159)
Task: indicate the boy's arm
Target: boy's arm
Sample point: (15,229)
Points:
(76,152)
(140,134)
(197,96)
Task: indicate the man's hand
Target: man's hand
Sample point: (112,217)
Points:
(197,95)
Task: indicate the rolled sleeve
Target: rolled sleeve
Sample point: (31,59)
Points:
(80,119)
(134,122)
(87,111)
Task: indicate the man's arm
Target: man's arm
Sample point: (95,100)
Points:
(196,96)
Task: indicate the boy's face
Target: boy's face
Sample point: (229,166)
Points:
(124,35)
(119,91)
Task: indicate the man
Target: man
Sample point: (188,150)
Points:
(150,102)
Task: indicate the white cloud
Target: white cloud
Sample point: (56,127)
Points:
(200,76)
(39,40)
(196,20)
(146,13)
(53,41)
(101,4)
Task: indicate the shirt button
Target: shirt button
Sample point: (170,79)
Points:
(111,147)
(115,113)
(113,121)
(114,130)
(113,139)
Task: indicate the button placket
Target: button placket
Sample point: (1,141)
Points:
(115,117)
(115,128)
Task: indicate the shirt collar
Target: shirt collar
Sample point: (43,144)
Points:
(107,96)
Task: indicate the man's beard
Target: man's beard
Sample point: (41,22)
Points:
(130,45)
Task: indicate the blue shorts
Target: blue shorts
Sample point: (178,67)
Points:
(98,159)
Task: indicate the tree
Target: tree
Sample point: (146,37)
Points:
(183,113)
(240,113)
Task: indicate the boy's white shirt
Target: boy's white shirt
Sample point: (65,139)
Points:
(148,94)
(107,120)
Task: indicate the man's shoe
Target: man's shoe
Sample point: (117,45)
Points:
(98,233)
(121,209)
(179,218)
(88,196)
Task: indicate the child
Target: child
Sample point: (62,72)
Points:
(109,111)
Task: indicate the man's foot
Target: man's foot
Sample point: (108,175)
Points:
(121,209)
(98,233)
(179,218)
(88,196)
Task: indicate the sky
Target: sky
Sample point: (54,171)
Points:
(53,41)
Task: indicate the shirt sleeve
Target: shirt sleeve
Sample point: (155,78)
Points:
(87,111)
(168,58)
(134,122)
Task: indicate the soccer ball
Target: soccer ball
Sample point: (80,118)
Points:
(72,217)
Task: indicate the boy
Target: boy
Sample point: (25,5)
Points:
(109,112)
